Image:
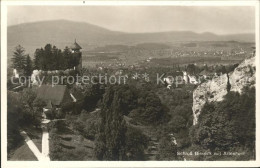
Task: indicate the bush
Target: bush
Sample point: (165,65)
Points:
(150,110)
(136,143)
(167,149)
(87,125)
(14,116)
(227,125)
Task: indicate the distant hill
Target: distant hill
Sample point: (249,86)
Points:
(63,32)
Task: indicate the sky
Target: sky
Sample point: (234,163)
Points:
(135,19)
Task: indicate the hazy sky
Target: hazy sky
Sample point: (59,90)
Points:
(220,20)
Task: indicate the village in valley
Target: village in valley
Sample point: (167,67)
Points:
(80,92)
(63,116)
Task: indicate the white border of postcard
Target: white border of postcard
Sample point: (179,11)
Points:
(65,164)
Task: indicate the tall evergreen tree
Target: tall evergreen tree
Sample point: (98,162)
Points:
(67,55)
(38,59)
(19,59)
(28,66)
(52,58)
(110,143)
(48,57)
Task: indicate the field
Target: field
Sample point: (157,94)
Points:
(165,54)
(66,144)
(179,52)
(23,152)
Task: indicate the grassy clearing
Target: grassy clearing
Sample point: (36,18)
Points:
(36,136)
(66,145)
(23,153)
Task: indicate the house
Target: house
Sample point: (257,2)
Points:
(56,97)
(193,80)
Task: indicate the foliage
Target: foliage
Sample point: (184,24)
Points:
(14,115)
(179,102)
(28,68)
(220,69)
(64,148)
(86,124)
(191,68)
(128,98)
(19,59)
(32,107)
(110,142)
(167,149)
(52,58)
(136,143)
(92,95)
(228,124)
(23,109)
(22,62)
(149,109)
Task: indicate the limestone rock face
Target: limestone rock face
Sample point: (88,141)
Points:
(214,90)
(243,75)
(210,91)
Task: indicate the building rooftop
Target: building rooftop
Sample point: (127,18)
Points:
(75,46)
(54,95)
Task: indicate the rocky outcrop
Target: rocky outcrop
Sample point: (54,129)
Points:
(243,75)
(214,90)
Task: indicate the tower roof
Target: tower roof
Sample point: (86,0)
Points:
(75,46)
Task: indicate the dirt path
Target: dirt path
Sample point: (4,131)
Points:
(45,144)
(44,156)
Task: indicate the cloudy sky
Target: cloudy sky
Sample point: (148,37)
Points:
(219,20)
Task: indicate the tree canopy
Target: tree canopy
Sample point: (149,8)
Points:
(19,59)
(52,58)
(227,124)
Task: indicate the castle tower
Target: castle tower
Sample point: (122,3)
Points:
(75,48)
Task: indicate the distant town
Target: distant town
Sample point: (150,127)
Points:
(135,87)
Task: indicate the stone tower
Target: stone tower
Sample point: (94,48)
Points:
(75,48)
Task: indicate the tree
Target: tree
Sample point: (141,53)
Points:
(14,115)
(136,143)
(110,143)
(92,95)
(19,59)
(38,105)
(58,57)
(28,66)
(227,124)
(129,98)
(39,59)
(167,149)
(30,109)
(191,68)
(150,110)
(67,58)
(52,58)
(221,69)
